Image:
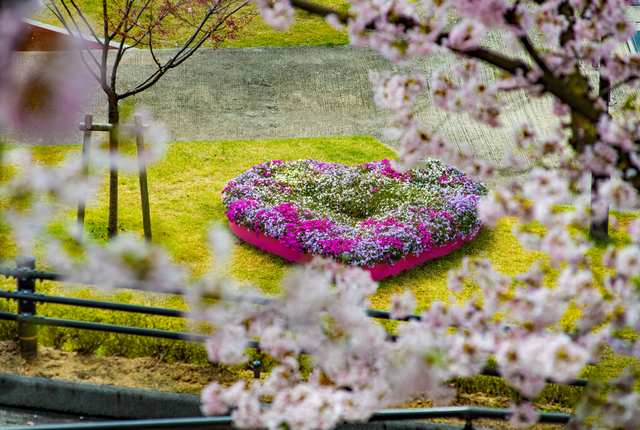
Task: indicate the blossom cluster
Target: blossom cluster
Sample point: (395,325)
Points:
(356,370)
(361,215)
(557,169)
(322,310)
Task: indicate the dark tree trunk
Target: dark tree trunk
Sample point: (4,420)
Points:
(599,223)
(114,118)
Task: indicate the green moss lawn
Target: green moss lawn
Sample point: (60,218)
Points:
(185,200)
(307,30)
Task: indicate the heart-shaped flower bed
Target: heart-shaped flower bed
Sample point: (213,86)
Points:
(367,215)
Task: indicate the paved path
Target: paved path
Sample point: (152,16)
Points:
(10,417)
(288,92)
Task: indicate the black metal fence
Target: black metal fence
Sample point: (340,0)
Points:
(28,321)
(467,414)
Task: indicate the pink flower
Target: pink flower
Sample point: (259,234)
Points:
(627,261)
(333,20)
(277,13)
(523,415)
(212,400)
(466,36)
(396,92)
(633,229)
(617,132)
(47,100)
(402,305)
(228,345)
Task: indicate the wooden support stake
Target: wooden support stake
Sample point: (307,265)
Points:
(95,127)
(142,168)
(87,127)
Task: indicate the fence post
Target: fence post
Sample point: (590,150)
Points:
(27,333)
(86,127)
(142,170)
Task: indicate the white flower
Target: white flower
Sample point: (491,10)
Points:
(402,305)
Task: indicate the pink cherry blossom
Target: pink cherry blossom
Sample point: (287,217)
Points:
(523,415)
(396,92)
(466,35)
(403,305)
(277,13)
(322,310)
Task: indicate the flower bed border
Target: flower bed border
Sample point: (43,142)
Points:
(378,271)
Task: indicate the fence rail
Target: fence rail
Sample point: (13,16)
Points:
(224,422)
(27,321)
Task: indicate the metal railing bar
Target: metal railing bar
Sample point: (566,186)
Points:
(487,371)
(142,286)
(462,412)
(8,316)
(39,297)
(57,322)
(138,331)
(386,315)
(20,273)
(148,287)
(165,424)
(257,300)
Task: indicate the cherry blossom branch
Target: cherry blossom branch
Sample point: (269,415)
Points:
(612,87)
(551,83)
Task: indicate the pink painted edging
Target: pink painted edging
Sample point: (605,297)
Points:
(378,271)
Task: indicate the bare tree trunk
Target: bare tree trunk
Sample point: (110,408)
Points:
(599,225)
(114,119)
(599,217)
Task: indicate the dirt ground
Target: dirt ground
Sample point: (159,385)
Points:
(154,374)
(146,373)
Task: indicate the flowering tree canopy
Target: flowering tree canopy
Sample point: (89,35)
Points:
(322,311)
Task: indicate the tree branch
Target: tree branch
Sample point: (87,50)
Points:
(105,53)
(185,51)
(551,83)
(534,55)
(60,17)
(125,14)
(77,8)
(617,85)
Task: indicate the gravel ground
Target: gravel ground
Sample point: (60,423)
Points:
(19,417)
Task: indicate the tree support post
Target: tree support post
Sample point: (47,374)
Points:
(87,128)
(27,333)
(138,129)
(256,369)
(142,170)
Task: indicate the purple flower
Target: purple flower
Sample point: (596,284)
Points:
(361,215)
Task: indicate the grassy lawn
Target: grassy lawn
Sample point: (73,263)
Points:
(185,192)
(307,30)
